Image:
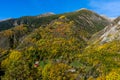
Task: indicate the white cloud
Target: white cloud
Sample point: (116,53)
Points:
(109,8)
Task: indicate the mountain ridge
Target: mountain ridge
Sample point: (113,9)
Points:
(32,20)
(86,22)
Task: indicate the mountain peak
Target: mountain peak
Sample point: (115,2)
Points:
(46,14)
(82,9)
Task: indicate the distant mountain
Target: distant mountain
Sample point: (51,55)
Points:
(46,14)
(5,19)
(29,20)
(110,19)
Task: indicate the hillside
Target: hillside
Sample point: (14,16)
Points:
(103,53)
(112,32)
(60,47)
(108,34)
(86,22)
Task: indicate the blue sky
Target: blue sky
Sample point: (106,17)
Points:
(17,8)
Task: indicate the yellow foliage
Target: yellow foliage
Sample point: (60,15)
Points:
(14,56)
(20,28)
(55,72)
(114,75)
(8,33)
(101,78)
(110,47)
(58,23)
(90,78)
(45,72)
(62,17)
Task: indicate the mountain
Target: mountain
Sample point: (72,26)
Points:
(65,46)
(109,33)
(36,22)
(86,24)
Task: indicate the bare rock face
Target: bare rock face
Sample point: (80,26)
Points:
(111,32)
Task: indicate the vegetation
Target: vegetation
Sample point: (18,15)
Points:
(58,51)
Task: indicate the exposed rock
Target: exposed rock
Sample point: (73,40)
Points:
(81,9)
(46,14)
(113,33)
